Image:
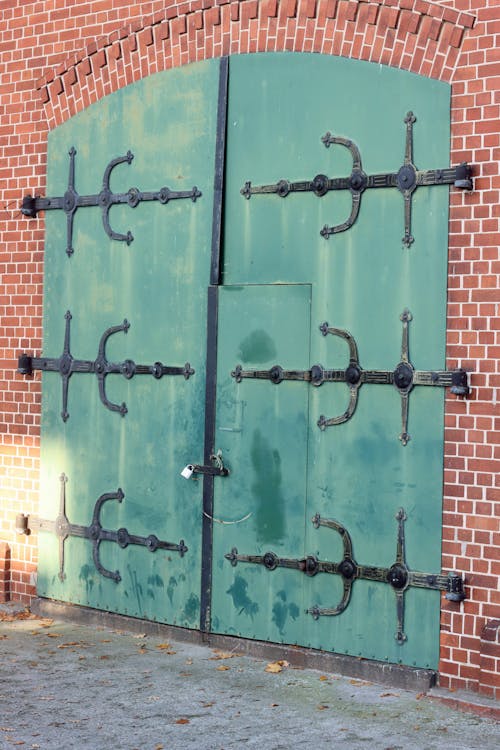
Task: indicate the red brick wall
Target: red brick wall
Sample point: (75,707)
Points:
(58,56)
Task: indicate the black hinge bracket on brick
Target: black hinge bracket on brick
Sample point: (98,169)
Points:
(404,377)
(96,534)
(71,200)
(398,575)
(407,179)
(66,366)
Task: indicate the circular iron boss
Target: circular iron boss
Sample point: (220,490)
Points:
(283,188)
(164,195)
(123,538)
(319,185)
(311,566)
(152,543)
(406,177)
(99,367)
(69,201)
(357,181)
(347,569)
(317,375)
(95,531)
(270,560)
(353,375)
(127,369)
(276,374)
(105,198)
(397,576)
(65,364)
(133,197)
(62,526)
(157,370)
(403,376)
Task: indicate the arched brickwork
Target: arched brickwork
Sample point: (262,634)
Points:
(437,40)
(416,35)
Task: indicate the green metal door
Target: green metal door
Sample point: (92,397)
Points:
(338,578)
(321,185)
(129,532)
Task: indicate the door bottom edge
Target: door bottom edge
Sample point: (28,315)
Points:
(393,675)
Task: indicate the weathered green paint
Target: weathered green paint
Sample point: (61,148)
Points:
(281,280)
(159,284)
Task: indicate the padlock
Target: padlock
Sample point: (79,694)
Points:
(187,471)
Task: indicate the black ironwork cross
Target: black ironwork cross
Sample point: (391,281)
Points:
(71,200)
(404,377)
(66,366)
(407,179)
(398,575)
(63,528)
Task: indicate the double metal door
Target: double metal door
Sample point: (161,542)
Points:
(242,307)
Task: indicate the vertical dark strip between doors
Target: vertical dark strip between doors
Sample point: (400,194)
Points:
(211,372)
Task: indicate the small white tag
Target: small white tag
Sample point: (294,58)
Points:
(187,471)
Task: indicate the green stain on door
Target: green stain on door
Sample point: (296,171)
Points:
(257,347)
(267,490)
(241,600)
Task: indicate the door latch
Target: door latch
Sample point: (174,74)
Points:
(217,469)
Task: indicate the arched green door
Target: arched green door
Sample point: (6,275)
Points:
(283,302)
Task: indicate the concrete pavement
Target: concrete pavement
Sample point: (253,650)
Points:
(66,685)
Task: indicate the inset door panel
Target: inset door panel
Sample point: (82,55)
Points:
(262,430)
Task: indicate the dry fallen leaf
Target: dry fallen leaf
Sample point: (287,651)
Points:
(46,623)
(159,747)
(69,644)
(276,666)
(162,646)
(323,677)
(53,635)
(222,654)
(182,721)
(387,695)
(322,707)
(223,668)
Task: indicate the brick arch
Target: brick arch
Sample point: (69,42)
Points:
(414,35)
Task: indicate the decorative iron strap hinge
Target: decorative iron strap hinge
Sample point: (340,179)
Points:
(398,575)
(66,366)
(62,528)
(404,377)
(71,200)
(407,179)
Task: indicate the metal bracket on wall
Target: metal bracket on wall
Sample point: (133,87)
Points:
(407,179)
(66,365)
(404,377)
(398,575)
(62,528)
(71,200)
